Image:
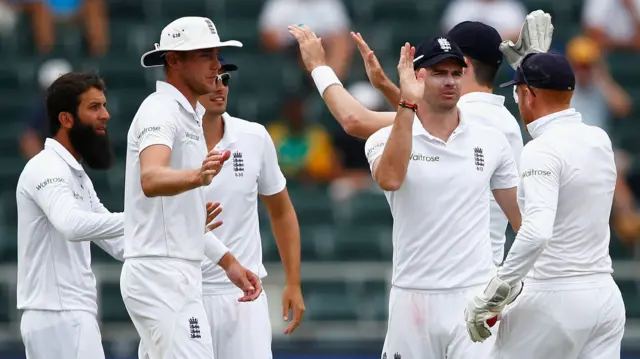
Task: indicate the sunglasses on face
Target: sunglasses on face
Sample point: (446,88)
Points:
(225,78)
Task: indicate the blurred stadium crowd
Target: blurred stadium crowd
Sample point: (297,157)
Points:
(345,222)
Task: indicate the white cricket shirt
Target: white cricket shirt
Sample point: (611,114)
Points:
(565,195)
(58,213)
(488,109)
(252,170)
(441,211)
(172,226)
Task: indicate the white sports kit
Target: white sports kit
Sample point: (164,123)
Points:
(440,236)
(252,170)
(165,240)
(58,214)
(570,307)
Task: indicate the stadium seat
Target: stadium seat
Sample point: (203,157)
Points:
(631,294)
(364,242)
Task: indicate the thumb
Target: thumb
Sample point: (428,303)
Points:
(226,155)
(246,285)
(285,308)
(422,75)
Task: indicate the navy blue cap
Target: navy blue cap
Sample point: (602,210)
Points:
(226,67)
(477,40)
(549,71)
(435,50)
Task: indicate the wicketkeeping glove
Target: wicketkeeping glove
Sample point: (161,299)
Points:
(489,304)
(535,36)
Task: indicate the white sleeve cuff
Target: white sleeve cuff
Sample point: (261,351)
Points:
(214,249)
(323,77)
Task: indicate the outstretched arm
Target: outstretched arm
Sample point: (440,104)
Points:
(354,118)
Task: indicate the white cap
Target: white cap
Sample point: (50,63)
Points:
(186,34)
(51,70)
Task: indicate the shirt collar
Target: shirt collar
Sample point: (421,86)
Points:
(539,126)
(418,129)
(168,89)
(61,151)
(229,136)
(482,97)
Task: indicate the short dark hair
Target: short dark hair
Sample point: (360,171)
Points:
(64,95)
(485,74)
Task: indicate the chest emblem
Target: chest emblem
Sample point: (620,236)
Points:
(238,164)
(478,158)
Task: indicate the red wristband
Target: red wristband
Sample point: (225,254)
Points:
(408,105)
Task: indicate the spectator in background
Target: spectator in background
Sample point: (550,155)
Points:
(37,125)
(328,19)
(305,151)
(352,175)
(94,16)
(613,24)
(506,16)
(600,98)
(41,21)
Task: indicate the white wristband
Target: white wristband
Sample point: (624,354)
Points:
(323,77)
(214,249)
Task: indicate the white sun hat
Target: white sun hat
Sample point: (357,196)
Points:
(186,34)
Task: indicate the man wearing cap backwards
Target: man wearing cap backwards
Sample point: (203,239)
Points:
(243,330)
(436,168)
(166,169)
(570,306)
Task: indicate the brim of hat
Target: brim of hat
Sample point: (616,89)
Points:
(155,57)
(513,82)
(437,59)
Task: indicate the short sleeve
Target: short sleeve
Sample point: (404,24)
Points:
(506,172)
(156,126)
(541,171)
(375,144)
(271,180)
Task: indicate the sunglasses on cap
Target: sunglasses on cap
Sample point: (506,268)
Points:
(225,78)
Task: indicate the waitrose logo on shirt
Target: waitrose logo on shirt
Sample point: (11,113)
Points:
(44,183)
(532,172)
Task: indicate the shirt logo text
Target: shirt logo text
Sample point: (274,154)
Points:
(423,158)
(532,172)
(148,129)
(372,149)
(478,158)
(44,183)
(191,136)
(238,164)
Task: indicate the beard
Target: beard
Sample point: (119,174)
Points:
(94,149)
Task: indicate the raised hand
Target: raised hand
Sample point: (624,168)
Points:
(311,48)
(411,84)
(375,73)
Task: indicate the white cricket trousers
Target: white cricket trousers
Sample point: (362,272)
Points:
(239,330)
(70,334)
(164,299)
(564,318)
(431,325)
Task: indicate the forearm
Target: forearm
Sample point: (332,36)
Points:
(287,234)
(390,91)
(77,225)
(354,118)
(164,181)
(527,247)
(392,168)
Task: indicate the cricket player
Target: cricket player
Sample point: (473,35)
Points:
(167,168)
(59,212)
(570,306)
(481,45)
(436,167)
(252,172)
